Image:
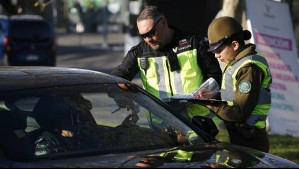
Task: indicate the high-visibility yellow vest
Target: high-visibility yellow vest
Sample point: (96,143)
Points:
(158,80)
(228,88)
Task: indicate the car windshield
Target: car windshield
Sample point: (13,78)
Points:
(100,118)
(32,31)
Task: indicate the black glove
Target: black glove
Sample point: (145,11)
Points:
(123,102)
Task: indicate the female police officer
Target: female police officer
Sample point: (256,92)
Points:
(245,84)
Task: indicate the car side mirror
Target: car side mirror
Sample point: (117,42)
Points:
(206,124)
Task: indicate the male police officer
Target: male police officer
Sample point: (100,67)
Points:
(245,84)
(170,61)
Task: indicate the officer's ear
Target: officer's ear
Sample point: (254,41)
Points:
(235,45)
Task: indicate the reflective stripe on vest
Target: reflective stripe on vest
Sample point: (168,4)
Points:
(161,82)
(228,88)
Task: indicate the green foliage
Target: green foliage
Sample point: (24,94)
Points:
(285,146)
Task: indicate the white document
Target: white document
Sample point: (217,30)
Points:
(209,84)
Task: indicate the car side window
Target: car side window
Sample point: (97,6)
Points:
(136,126)
(26,104)
(87,119)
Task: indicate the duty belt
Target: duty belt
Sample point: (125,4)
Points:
(234,125)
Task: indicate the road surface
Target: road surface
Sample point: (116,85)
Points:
(87,51)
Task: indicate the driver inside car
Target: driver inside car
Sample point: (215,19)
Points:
(63,123)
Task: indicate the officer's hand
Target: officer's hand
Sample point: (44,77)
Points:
(204,93)
(124,86)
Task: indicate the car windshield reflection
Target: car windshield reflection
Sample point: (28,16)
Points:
(102,118)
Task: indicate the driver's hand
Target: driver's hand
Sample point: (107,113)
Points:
(67,133)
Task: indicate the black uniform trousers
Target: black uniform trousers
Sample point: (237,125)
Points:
(251,137)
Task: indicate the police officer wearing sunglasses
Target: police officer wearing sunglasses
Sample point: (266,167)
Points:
(169,60)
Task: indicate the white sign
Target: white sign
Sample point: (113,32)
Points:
(271,25)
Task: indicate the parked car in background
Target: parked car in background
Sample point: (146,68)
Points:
(65,117)
(30,40)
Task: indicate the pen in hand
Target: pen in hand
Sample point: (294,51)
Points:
(206,95)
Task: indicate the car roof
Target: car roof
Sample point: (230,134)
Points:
(29,77)
(26,17)
(3,17)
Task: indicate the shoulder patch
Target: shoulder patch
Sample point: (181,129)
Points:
(244,86)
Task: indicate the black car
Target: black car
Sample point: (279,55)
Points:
(30,40)
(66,117)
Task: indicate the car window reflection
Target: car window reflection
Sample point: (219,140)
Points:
(80,119)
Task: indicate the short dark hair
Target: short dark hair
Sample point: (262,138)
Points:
(149,12)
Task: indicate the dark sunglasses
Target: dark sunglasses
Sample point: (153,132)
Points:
(152,32)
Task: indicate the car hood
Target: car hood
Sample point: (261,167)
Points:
(214,155)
